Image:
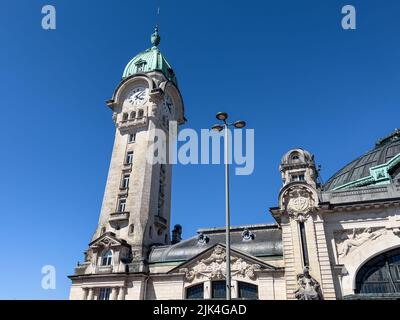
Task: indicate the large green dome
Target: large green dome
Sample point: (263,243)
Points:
(378,166)
(150,60)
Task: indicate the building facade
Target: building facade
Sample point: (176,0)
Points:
(339,240)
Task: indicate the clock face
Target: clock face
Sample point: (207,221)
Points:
(168,105)
(138,96)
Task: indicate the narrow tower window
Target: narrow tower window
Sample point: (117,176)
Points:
(132,137)
(121,205)
(304,244)
(129,157)
(125,181)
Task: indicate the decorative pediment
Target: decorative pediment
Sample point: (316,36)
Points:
(211,264)
(107,240)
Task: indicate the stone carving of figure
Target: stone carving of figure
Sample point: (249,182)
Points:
(309,288)
(356,240)
(217,256)
(88,256)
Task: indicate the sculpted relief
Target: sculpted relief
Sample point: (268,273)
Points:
(348,240)
(299,202)
(213,267)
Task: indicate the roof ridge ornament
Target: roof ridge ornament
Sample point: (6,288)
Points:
(155,37)
(391,137)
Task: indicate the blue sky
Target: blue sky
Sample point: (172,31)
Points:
(286,67)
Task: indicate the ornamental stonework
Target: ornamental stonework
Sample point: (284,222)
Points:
(214,267)
(348,240)
(299,202)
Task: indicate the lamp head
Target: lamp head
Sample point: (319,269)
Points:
(217,127)
(222,116)
(239,124)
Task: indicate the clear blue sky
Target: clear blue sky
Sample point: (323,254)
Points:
(286,67)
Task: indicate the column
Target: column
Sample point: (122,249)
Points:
(114,292)
(121,293)
(207,290)
(90,294)
(234,289)
(85,293)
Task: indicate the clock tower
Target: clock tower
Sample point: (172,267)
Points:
(135,213)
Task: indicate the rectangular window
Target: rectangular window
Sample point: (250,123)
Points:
(121,205)
(219,290)
(303,240)
(298,177)
(125,181)
(104,293)
(129,157)
(248,291)
(124,116)
(195,292)
(132,137)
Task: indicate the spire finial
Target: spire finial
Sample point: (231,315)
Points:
(155,37)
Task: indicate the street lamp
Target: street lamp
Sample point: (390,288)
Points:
(223,116)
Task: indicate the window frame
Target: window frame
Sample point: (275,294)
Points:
(120,202)
(129,157)
(125,181)
(107,258)
(104,294)
(194,287)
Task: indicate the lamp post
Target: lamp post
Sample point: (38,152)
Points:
(223,116)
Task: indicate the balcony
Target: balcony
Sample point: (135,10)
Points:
(126,125)
(119,217)
(104,269)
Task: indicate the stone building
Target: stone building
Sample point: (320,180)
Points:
(330,241)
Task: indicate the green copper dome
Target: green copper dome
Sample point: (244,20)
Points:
(150,60)
(378,166)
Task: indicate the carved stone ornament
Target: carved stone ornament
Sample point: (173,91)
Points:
(348,240)
(308,287)
(202,238)
(299,202)
(214,267)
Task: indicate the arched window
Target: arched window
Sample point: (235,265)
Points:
(133,115)
(195,292)
(124,116)
(380,274)
(248,291)
(295,157)
(140,113)
(106,259)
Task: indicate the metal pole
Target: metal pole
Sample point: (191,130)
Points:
(228,240)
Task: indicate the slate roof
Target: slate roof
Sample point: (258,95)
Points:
(267,242)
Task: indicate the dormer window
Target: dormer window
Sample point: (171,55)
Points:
(140,65)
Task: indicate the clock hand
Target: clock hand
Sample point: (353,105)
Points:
(139,96)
